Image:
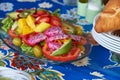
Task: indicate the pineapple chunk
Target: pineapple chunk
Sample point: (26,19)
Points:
(23,28)
(21,24)
(27,30)
(42,27)
(30,21)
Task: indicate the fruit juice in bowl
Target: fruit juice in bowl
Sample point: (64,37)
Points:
(44,35)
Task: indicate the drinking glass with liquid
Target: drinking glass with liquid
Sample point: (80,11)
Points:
(94,7)
(82,7)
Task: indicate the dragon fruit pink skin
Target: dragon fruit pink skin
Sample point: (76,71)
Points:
(58,36)
(36,38)
(53,31)
(53,45)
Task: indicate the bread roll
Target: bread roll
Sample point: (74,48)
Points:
(109,19)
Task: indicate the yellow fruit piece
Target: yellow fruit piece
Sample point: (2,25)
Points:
(82,48)
(79,30)
(17,41)
(23,28)
(27,30)
(30,21)
(42,27)
(37,51)
(21,24)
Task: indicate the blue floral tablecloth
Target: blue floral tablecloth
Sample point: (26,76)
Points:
(101,64)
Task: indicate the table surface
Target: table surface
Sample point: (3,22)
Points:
(101,64)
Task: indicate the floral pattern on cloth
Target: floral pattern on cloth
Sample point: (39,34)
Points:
(82,62)
(98,74)
(107,70)
(57,1)
(6,6)
(45,5)
(48,74)
(27,64)
(5,56)
(26,0)
(115,58)
(30,66)
(70,15)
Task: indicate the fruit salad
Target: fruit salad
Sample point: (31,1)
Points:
(43,34)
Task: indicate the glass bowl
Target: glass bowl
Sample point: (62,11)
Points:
(8,41)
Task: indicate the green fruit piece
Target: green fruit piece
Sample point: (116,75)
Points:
(63,49)
(25,13)
(37,51)
(68,28)
(13,15)
(17,41)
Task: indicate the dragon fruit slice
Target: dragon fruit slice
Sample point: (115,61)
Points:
(76,37)
(36,38)
(58,36)
(53,45)
(53,31)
